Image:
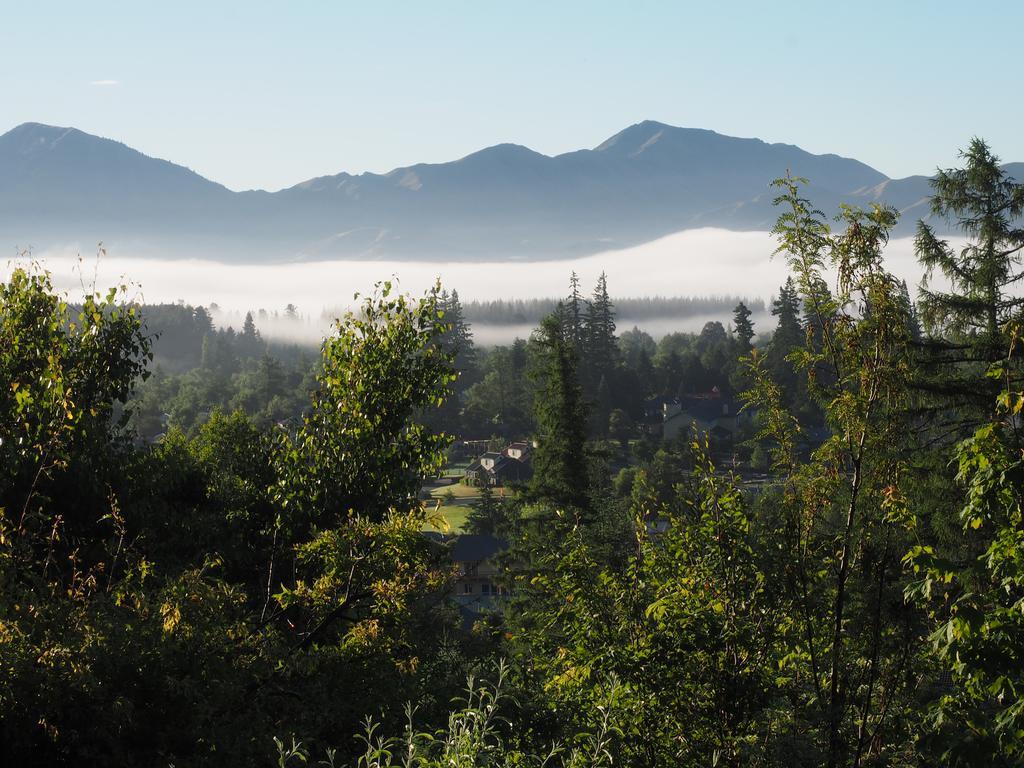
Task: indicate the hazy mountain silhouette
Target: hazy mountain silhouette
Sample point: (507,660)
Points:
(60,185)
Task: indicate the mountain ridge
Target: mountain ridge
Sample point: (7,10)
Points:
(506,201)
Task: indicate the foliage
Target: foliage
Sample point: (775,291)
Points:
(967,323)
(843,512)
(360,448)
(978,603)
(687,624)
(473,738)
(559,463)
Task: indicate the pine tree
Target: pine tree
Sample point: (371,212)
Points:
(743,327)
(786,307)
(788,335)
(913,321)
(602,349)
(458,340)
(249,327)
(645,373)
(575,307)
(967,325)
(560,468)
(207,356)
(602,408)
(250,342)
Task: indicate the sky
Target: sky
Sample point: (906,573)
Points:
(267,94)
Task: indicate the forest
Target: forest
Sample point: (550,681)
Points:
(214,547)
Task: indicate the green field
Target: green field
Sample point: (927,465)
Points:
(458,490)
(455,515)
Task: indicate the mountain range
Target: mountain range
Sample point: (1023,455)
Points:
(63,187)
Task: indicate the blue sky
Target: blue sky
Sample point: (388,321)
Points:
(267,94)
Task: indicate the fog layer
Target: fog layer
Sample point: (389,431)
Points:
(699,262)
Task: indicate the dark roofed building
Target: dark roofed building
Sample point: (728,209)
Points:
(499,469)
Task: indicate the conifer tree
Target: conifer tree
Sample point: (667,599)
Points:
(601,347)
(788,335)
(249,327)
(250,342)
(743,327)
(560,468)
(575,307)
(967,325)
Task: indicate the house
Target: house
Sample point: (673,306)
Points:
(520,451)
(476,582)
(708,413)
(654,413)
(476,589)
(500,469)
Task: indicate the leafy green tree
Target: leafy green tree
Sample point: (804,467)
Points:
(67,373)
(843,512)
(687,624)
(977,601)
(361,448)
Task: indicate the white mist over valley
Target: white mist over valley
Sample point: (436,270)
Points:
(701,262)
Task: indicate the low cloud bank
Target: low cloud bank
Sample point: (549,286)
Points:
(702,262)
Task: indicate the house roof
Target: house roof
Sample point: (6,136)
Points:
(473,548)
(703,409)
(504,461)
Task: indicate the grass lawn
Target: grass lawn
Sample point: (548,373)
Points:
(456,517)
(459,491)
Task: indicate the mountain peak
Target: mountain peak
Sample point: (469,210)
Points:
(500,152)
(638,137)
(34,136)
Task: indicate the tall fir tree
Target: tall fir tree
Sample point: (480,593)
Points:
(788,335)
(968,324)
(560,467)
(601,348)
(743,327)
(575,313)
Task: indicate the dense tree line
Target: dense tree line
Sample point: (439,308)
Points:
(532,311)
(249,578)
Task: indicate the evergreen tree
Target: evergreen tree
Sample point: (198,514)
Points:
(743,327)
(602,349)
(560,467)
(602,408)
(913,321)
(203,321)
(249,327)
(458,340)
(575,306)
(207,355)
(250,342)
(788,335)
(968,324)
(646,373)
(786,307)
